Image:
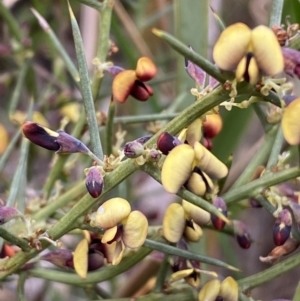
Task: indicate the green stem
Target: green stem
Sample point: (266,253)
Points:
(92,3)
(181,294)
(276,12)
(77,190)
(109,127)
(257,186)
(143,118)
(21,286)
(297,293)
(259,159)
(155,245)
(191,55)
(101,275)
(9,149)
(19,85)
(103,42)
(162,274)
(11,22)
(86,88)
(14,240)
(266,275)
(261,116)
(58,46)
(276,149)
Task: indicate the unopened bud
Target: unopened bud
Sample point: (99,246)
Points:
(59,141)
(143,139)
(94,182)
(218,223)
(133,149)
(242,235)
(282,227)
(61,258)
(166,142)
(8,213)
(95,260)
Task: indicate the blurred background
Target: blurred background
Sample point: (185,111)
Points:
(56,96)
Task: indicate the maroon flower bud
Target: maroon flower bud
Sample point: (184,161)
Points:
(254,203)
(291,61)
(207,143)
(8,213)
(154,155)
(59,141)
(242,235)
(143,139)
(166,142)
(133,149)
(94,182)
(61,258)
(40,135)
(141,91)
(221,206)
(95,260)
(282,227)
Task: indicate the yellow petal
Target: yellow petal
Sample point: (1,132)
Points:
(210,291)
(87,236)
(119,250)
(123,84)
(110,251)
(247,69)
(208,163)
(291,123)
(199,183)
(194,131)
(193,233)
(177,167)
(229,289)
(180,275)
(3,138)
(109,234)
(71,111)
(80,258)
(182,135)
(193,279)
(174,222)
(197,214)
(145,69)
(112,212)
(266,50)
(231,46)
(135,229)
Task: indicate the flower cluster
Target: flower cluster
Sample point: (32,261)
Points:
(216,290)
(131,82)
(249,52)
(123,227)
(184,220)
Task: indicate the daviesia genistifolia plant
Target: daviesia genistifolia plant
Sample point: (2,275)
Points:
(251,68)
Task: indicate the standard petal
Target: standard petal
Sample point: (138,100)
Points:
(194,131)
(210,290)
(112,212)
(266,50)
(109,234)
(135,229)
(197,214)
(80,258)
(209,163)
(229,289)
(291,123)
(145,69)
(123,84)
(231,46)
(177,167)
(174,222)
